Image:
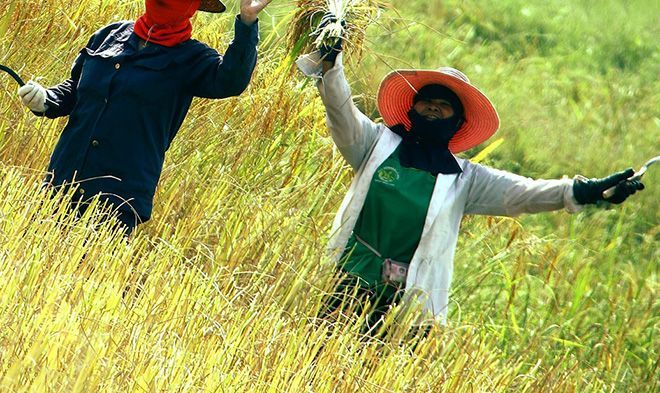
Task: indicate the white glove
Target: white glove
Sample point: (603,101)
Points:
(33,96)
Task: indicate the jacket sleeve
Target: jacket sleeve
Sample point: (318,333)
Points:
(499,193)
(66,93)
(351,130)
(218,76)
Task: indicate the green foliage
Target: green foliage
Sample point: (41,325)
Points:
(221,290)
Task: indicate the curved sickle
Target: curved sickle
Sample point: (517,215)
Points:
(13,74)
(636,176)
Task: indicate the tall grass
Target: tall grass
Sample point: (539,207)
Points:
(221,289)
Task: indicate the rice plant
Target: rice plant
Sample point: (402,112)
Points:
(221,290)
(304,33)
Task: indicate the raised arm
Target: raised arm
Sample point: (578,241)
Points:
(218,76)
(351,130)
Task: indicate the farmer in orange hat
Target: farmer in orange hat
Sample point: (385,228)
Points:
(129,92)
(396,231)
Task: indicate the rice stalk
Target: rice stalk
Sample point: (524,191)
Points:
(222,289)
(305,36)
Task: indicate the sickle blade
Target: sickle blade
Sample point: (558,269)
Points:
(13,74)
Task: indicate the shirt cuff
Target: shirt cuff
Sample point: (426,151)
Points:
(244,34)
(51,113)
(570,203)
(311,64)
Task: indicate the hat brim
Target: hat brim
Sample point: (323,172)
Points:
(398,89)
(212,6)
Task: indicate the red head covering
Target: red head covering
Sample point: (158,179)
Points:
(166,22)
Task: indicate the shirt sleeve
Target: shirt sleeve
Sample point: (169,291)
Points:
(351,130)
(500,193)
(65,93)
(219,76)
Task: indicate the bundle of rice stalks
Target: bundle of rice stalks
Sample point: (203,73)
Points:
(305,36)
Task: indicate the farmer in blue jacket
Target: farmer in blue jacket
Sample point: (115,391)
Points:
(129,92)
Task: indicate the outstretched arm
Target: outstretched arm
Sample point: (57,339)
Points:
(500,193)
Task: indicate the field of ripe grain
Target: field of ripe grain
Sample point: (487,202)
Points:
(221,289)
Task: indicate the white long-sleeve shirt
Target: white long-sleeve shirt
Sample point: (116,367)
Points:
(477,190)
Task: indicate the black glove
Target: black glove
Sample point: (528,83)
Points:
(591,190)
(329,53)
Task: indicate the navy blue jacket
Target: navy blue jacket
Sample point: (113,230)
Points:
(126,105)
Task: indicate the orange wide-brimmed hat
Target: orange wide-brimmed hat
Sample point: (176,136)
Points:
(398,90)
(213,6)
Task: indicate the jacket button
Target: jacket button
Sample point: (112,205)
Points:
(95,143)
(117,66)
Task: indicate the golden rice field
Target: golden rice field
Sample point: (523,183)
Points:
(220,291)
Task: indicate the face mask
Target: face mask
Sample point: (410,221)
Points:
(166,22)
(436,132)
(170,12)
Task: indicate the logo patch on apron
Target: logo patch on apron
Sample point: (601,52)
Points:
(387,175)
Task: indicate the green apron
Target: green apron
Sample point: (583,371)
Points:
(391,222)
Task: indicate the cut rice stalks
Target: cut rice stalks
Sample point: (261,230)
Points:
(304,36)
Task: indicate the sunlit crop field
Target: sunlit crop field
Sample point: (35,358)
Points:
(220,291)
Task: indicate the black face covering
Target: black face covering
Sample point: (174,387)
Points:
(436,132)
(426,145)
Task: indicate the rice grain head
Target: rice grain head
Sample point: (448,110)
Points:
(304,36)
